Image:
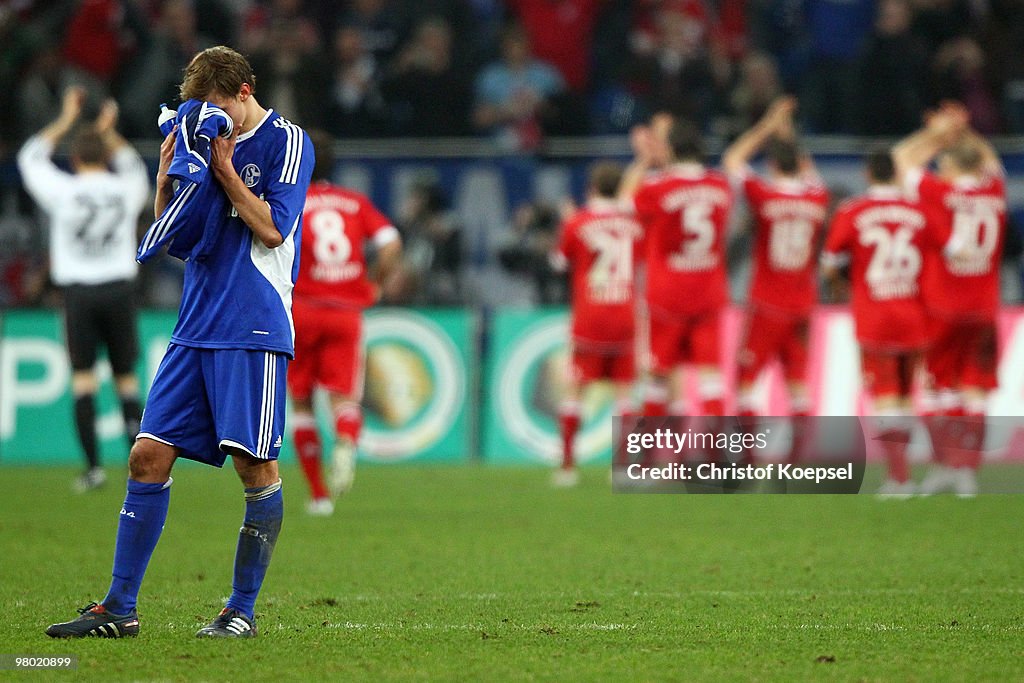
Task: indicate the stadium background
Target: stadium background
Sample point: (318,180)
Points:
(465,363)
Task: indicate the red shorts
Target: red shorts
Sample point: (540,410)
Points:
(769,335)
(328,351)
(675,340)
(964,353)
(590,363)
(888,373)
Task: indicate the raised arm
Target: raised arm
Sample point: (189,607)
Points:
(918,149)
(640,138)
(778,120)
(126,162)
(71,109)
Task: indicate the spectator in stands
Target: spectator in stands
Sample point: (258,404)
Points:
(101,35)
(382,26)
(671,69)
(533,236)
(837,30)
(42,86)
(939,21)
(757,87)
(1002,35)
(355,107)
(259,19)
(432,242)
(153,77)
(893,74)
(292,72)
(421,72)
(960,75)
(550,24)
(514,95)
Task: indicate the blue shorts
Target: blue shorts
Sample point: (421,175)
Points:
(205,401)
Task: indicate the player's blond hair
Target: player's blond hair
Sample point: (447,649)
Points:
(216,71)
(965,155)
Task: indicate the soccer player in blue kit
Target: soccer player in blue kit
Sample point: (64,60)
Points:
(220,389)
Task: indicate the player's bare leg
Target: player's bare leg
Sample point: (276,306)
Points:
(348,423)
(264,510)
(309,451)
(127,387)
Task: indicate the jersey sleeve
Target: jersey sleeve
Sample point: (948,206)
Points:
(923,186)
(753,189)
(839,241)
(378,226)
(561,256)
(131,170)
(289,179)
(643,203)
(42,179)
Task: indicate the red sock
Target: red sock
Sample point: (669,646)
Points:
(937,426)
(894,446)
(966,450)
(349,422)
(570,424)
(308,449)
(713,406)
(620,456)
(655,408)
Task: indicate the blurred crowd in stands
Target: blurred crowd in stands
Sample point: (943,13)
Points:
(520,69)
(509,71)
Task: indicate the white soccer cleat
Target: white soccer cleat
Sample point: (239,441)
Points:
(895,490)
(940,479)
(94,478)
(343,468)
(565,478)
(965,482)
(320,507)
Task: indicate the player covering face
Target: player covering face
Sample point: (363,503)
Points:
(219,390)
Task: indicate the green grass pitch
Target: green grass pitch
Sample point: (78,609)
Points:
(476,573)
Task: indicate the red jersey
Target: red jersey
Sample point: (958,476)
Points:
(599,244)
(964,283)
(887,239)
(685,215)
(788,216)
(332,266)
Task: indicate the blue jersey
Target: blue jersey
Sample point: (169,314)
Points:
(240,295)
(183,221)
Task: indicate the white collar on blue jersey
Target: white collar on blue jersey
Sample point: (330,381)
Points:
(249,133)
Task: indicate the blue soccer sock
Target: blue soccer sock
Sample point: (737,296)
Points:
(142,519)
(264,509)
